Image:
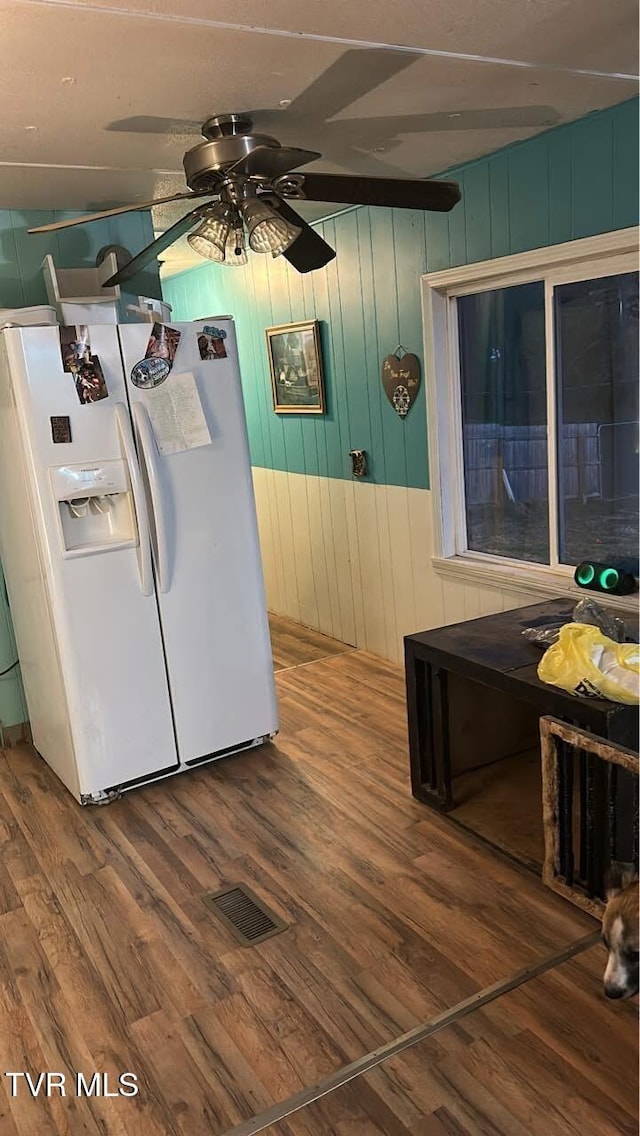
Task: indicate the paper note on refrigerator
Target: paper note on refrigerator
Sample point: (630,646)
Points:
(176,415)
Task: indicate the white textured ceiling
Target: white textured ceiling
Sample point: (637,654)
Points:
(69,70)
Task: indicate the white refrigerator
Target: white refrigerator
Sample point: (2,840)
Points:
(129,542)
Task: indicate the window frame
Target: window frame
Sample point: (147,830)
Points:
(607,254)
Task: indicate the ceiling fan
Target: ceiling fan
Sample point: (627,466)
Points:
(251,176)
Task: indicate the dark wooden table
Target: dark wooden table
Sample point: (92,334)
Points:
(457,678)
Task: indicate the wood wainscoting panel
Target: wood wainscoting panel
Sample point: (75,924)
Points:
(352,559)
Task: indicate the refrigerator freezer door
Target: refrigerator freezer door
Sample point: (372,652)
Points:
(206,551)
(101,598)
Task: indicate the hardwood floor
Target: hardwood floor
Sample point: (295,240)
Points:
(535,1063)
(294,645)
(110,960)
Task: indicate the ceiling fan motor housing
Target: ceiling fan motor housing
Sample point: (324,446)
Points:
(229,139)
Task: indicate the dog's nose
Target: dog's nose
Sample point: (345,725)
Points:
(615,991)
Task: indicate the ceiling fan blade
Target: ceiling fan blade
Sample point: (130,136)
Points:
(309,251)
(156,247)
(396,193)
(154,124)
(115,212)
(353,75)
(270,161)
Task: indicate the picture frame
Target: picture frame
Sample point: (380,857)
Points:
(295,362)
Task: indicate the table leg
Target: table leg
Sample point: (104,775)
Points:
(427,718)
(440,736)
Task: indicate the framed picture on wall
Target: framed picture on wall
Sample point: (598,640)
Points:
(296,368)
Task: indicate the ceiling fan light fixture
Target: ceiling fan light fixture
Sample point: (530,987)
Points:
(204,247)
(210,238)
(274,236)
(220,237)
(267,231)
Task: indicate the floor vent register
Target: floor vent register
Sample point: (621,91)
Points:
(248,919)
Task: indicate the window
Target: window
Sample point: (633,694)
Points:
(534,408)
(596,326)
(504,421)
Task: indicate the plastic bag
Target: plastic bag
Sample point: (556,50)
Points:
(588,663)
(545,636)
(585,611)
(588,611)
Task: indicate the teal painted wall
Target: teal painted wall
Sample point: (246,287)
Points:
(570,182)
(22,285)
(21,253)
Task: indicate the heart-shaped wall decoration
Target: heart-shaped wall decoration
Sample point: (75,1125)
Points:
(401,381)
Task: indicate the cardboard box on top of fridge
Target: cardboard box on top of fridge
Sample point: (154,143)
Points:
(77,293)
(27,317)
(151,310)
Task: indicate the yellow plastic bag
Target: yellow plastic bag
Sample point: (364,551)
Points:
(584,661)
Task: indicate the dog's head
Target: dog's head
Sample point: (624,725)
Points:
(620,932)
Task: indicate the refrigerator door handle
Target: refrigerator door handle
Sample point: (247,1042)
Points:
(139,499)
(147,441)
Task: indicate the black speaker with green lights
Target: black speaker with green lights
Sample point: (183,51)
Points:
(604,578)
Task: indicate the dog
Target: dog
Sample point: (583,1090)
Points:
(620,931)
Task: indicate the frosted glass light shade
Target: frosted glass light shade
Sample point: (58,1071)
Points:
(210,238)
(267,231)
